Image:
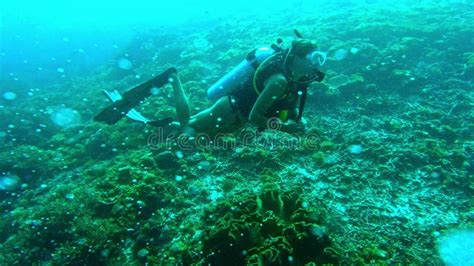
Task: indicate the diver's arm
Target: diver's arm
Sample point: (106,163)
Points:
(274,88)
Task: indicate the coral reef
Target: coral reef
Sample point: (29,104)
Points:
(276,228)
(383,172)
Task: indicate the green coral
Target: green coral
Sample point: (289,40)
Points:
(275,227)
(319,158)
(326,145)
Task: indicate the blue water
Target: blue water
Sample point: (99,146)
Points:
(392,164)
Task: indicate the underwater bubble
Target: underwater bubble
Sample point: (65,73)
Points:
(60,70)
(65,39)
(124,64)
(9,95)
(340,54)
(154,90)
(170,80)
(178,178)
(355,149)
(65,117)
(179,154)
(457,248)
(354,50)
(143,253)
(69,196)
(9,182)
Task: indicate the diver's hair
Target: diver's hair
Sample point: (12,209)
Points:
(301,47)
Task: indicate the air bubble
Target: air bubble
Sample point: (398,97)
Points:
(356,149)
(9,95)
(340,54)
(9,182)
(179,154)
(65,117)
(154,90)
(124,63)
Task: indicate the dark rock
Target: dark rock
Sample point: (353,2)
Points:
(166,160)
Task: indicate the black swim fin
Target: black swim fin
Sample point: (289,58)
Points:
(131,98)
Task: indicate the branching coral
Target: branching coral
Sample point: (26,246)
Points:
(275,227)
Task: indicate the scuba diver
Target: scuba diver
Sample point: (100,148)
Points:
(269,86)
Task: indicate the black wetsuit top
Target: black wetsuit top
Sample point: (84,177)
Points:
(244,97)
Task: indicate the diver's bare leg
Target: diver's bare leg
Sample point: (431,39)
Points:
(182,104)
(219,118)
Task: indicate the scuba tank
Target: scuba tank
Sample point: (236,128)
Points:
(239,74)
